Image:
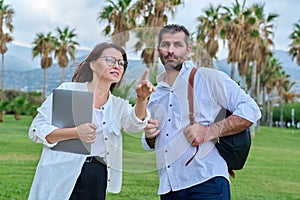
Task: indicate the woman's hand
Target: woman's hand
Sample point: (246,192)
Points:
(144,88)
(87,132)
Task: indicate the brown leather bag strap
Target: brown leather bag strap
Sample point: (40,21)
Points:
(191,106)
(191,95)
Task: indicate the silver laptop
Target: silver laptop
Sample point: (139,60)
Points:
(69,109)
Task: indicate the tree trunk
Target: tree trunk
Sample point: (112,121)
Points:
(17,116)
(271,114)
(270,110)
(281,112)
(2,79)
(264,108)
(258,89)
(253,82)
(62,74)
(244,83)
(232,72)
(44,85)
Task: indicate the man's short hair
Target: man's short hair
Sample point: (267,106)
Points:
(172,29)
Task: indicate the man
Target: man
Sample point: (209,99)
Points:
(185,173)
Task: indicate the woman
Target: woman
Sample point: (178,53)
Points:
(64,175)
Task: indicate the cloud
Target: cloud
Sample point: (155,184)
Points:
(34,16)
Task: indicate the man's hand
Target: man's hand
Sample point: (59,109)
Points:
(196,134)
(151,130)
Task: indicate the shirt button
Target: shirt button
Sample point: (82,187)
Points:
(168,166)
(108,180)
(103,123)
(105,138)
(107,153)
(102,108)
(34,130)
(169,120)
(170,105)
(166,151)
(167,134)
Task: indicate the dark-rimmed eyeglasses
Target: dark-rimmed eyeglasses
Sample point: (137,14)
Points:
(112,61)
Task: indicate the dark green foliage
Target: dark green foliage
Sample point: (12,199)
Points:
(287,110)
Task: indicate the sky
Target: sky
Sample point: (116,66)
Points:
(43,16)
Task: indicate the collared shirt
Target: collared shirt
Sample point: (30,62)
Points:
(213,90)
(57,171)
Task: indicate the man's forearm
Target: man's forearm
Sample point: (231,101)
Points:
(229,126)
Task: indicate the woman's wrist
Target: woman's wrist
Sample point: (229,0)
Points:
(140,98)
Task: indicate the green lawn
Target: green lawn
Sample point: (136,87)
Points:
(272,170)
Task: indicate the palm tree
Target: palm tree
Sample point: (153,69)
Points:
(295,45)
(288,94)
(247,32)
(208,30)
(283,78)
(271,89)
(232,25)
(64,44)
(6,15)
(268,83)
(4,105)
(153,16)
(18,104)
(199,55)
(44,46)
(119,20)
(260,44)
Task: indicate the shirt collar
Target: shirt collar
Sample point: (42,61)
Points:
(185,66)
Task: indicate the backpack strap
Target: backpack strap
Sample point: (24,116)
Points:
(191,106)
(191,95)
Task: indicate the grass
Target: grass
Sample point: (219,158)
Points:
(272,171)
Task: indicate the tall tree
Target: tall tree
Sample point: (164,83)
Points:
(272,85)
(6,16)
(248,33)
(294,50)
(199,54)
(119,20)
(153,16)
(64,46)
(260,44)
(268,83)
(44,46)
(282,79)
(232,26)
(208,30)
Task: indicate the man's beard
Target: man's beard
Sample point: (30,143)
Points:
(177,67)
(169,66)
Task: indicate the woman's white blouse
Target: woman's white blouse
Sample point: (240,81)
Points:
(57,171)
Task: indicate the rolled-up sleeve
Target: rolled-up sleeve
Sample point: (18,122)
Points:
(41,125)
(134,124)
(247,108)
(237,100)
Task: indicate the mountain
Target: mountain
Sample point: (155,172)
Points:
(24,73)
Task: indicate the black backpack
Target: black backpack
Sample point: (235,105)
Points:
(234,148)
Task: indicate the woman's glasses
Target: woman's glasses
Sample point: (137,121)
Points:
(112,61)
